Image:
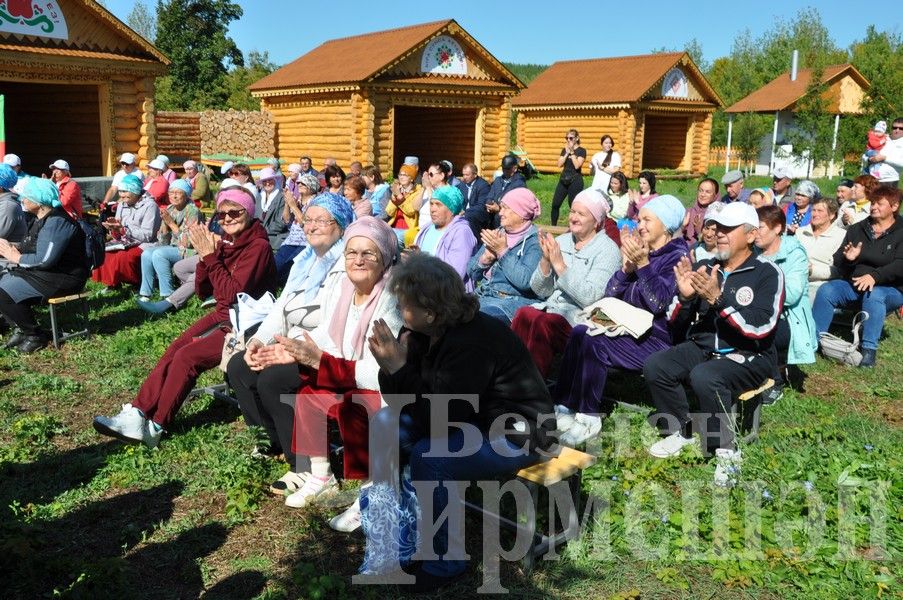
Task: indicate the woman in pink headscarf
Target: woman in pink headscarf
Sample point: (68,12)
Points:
(340,376)
(240,261)
(502,267)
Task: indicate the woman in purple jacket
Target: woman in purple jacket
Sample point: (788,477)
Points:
(645,280)
(448,237)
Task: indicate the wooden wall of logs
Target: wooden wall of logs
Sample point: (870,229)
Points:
(179,135)
(541,134)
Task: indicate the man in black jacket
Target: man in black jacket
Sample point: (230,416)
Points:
(724,318)
(475,190)
(510,179)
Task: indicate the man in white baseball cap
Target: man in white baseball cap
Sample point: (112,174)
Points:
(723,318)
(781,186)
(15,162)
(129,166)
(70,192)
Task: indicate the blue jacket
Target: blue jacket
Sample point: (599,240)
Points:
(510,275)
(793,261)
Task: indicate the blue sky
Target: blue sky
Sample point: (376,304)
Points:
(534,32)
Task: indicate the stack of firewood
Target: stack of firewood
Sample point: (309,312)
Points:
(237,132)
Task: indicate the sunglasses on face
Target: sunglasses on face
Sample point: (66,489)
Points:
(232,214)
(897,128)
(570,137)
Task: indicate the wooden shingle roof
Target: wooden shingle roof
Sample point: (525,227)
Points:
(618,80)
(361,58)
(781,93)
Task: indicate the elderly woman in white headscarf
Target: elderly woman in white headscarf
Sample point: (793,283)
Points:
(52,257)
(572,274)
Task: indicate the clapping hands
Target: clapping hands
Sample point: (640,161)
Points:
(634,251)
(390,354)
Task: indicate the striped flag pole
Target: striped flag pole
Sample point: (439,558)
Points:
(2,127)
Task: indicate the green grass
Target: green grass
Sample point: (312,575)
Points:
(85,517)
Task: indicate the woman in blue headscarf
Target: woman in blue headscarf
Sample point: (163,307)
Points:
(49,262)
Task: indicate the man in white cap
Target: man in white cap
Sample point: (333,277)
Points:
(15,162)
(723,320)
(733,187)
(128,166)
(70,192)
(781,187)
(887,164)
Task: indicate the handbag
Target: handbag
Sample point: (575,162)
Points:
(245,316)
(840,350)
(389,516)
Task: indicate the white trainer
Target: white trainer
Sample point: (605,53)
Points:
(289,483)
(313,487)
(152,434)
(727,467)
(564,417)
(349,520)
(669,446)
(129,425)
(585,427)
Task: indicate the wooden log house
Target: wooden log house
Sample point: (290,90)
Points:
(657,108)
(427,90)
(78,85)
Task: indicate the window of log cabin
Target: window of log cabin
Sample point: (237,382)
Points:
(45,122)
(434,134)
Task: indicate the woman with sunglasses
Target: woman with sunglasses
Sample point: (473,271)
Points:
(241,261)
(259,390)
(502,267)
(570,183)
(338,372)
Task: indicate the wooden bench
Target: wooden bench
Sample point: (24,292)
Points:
(566,469)
(60,336)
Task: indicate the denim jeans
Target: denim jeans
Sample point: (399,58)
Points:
(157,261)
(840,293)
(481,462)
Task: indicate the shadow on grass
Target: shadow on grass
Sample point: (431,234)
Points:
(42,480)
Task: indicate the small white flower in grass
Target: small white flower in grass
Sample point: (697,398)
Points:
(868,447)
(808,485)
(766,495)
(614,477)
(664,518)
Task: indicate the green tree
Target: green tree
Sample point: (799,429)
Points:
(193,33)
(141,20)
(748,131)
(812,132)
(235,84)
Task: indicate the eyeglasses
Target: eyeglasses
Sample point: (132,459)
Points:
(318,222)
(268,182)
(569,137)
(232,214)
(432,173)
(897,128)
(366,255)
(125,164)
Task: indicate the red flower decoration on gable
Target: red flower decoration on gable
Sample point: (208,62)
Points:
(20,8)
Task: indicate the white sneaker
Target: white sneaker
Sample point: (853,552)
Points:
(313,487)
(144,299)
(129,425)
(289,483)
(669,446)
(152,434)
(564,416)
(585,427)
(727,467)
(349,520)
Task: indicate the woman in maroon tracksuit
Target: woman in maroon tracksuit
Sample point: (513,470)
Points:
(241,261)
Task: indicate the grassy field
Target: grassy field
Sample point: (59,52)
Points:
(819,513)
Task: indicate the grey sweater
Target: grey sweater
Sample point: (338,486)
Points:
(589,270)
(12,219)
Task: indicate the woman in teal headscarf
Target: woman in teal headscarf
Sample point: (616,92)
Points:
(49,262)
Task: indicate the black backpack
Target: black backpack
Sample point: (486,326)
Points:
(95,244)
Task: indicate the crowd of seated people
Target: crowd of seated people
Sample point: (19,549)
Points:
(433,284)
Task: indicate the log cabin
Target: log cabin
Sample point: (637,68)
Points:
(428,90)
(78,84)
(657,108)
